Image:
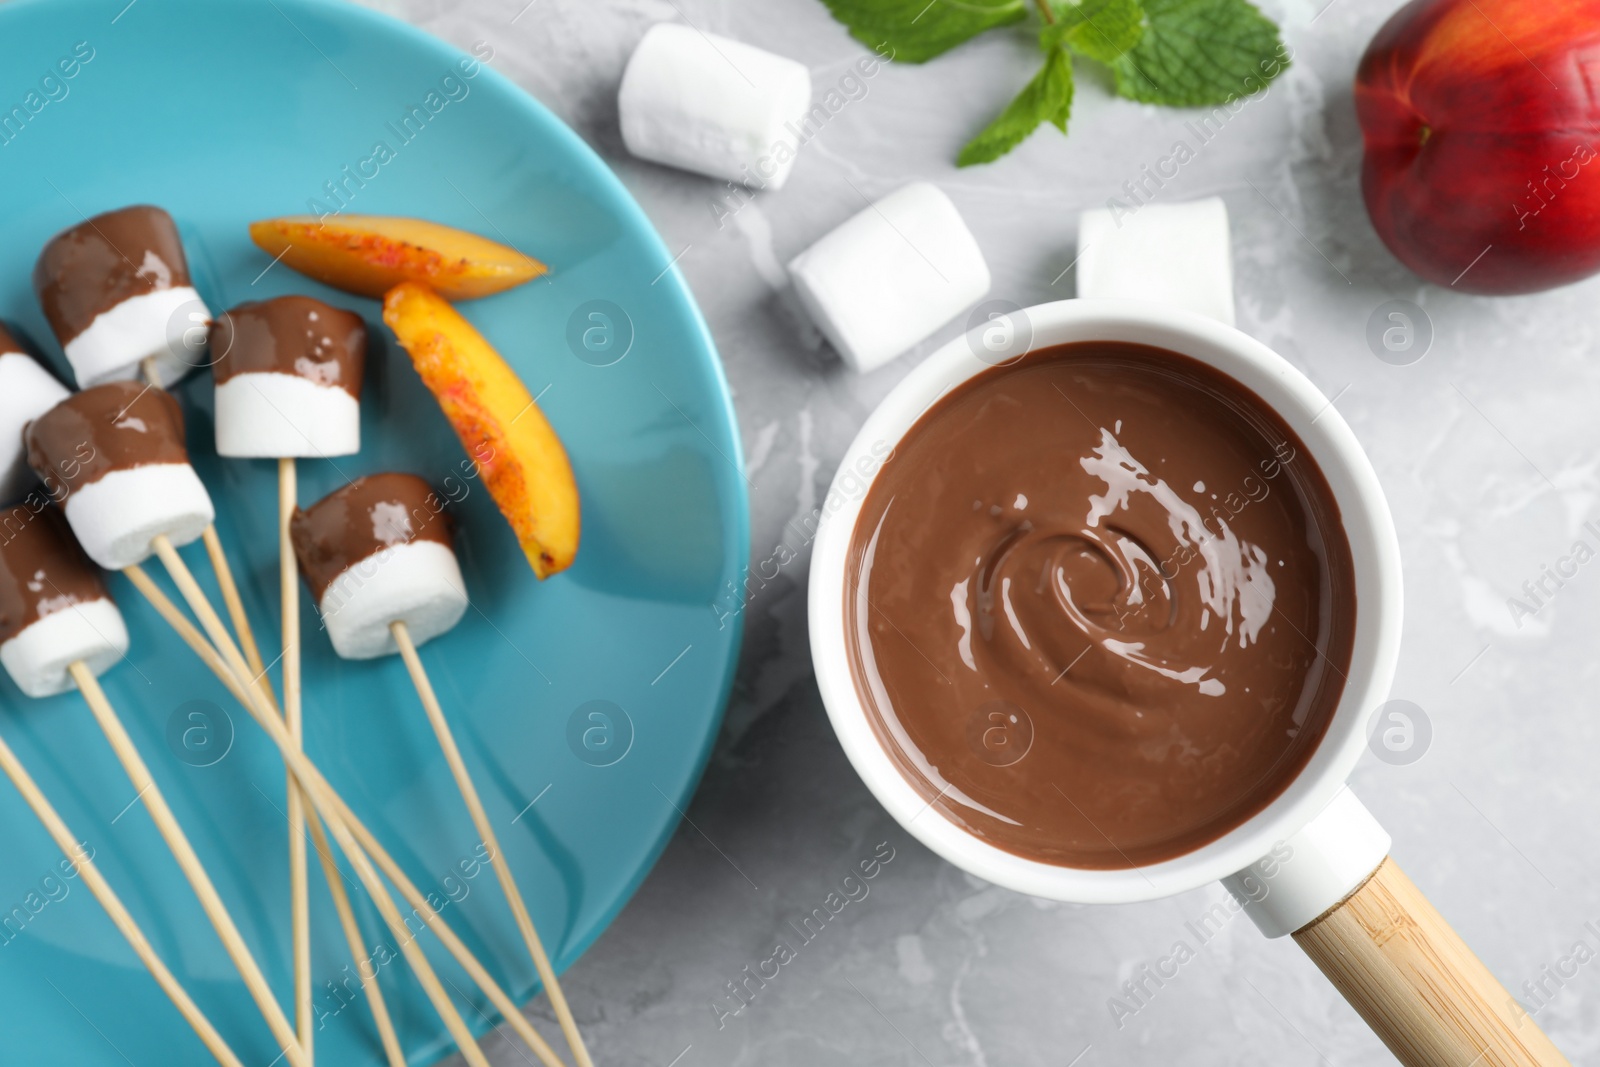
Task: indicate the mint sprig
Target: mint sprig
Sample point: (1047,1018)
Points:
(1102,30)
(914,31)
(1200,53)
(1047,98)
(1180,53)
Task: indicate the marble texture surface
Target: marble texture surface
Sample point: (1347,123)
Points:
(1486,448)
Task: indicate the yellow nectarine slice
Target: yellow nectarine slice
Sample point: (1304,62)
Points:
(517,453)
(370,254)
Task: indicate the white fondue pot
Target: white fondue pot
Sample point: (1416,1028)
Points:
(1314,862)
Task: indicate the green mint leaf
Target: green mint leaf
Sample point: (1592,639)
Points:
(1103,30)
(1047,98)
(1196,53)
(914,31)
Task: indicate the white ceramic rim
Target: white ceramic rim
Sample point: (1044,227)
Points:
(1368,525)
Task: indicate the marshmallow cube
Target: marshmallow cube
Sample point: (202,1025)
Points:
(38,656)
(416,582)
(713,106)
(117,516)
(271,415)
(1175,254)
(892,275)
(27,391)
(169,324)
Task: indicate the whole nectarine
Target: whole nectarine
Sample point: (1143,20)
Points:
(1481,124)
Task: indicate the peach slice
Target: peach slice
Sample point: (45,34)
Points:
(370,254)
(517,453)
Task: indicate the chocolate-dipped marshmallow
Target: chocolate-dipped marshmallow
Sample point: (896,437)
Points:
(377,552)
(288,374)
(54,607)
(116,451)
(27,391)
(116,291)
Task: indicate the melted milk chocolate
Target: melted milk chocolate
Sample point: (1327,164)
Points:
(291,335)
(361,520)
(42,569)
(1101,605)
(97,264)
(111,427)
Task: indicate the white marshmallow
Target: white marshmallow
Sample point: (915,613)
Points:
(267,415)
(714,106)
(38,656)
(1175,254)
(169,324)
(27,391)
(415,582)
(116,517)
(890,276)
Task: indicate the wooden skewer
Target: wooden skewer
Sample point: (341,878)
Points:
(224,572)
(480,819)
(67,841)
(299,890)
(183,852)
(330,869)
(447,937)
(338,814)
(180,623)
(419,963)
(289,595)
(299,893)
(235,605)
(358,951)
(319,793)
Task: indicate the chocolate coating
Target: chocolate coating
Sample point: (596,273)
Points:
(361,520)
(92,267)
(110,427)
(1101,605)
(42,569)
(291,335)
(8,343)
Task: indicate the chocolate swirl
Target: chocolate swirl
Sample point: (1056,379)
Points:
(1102,605)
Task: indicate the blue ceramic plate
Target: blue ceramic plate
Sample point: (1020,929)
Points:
(586,705)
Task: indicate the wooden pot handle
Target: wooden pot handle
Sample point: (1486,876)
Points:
(1415,982)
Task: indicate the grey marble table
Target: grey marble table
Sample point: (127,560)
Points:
(1486,448)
